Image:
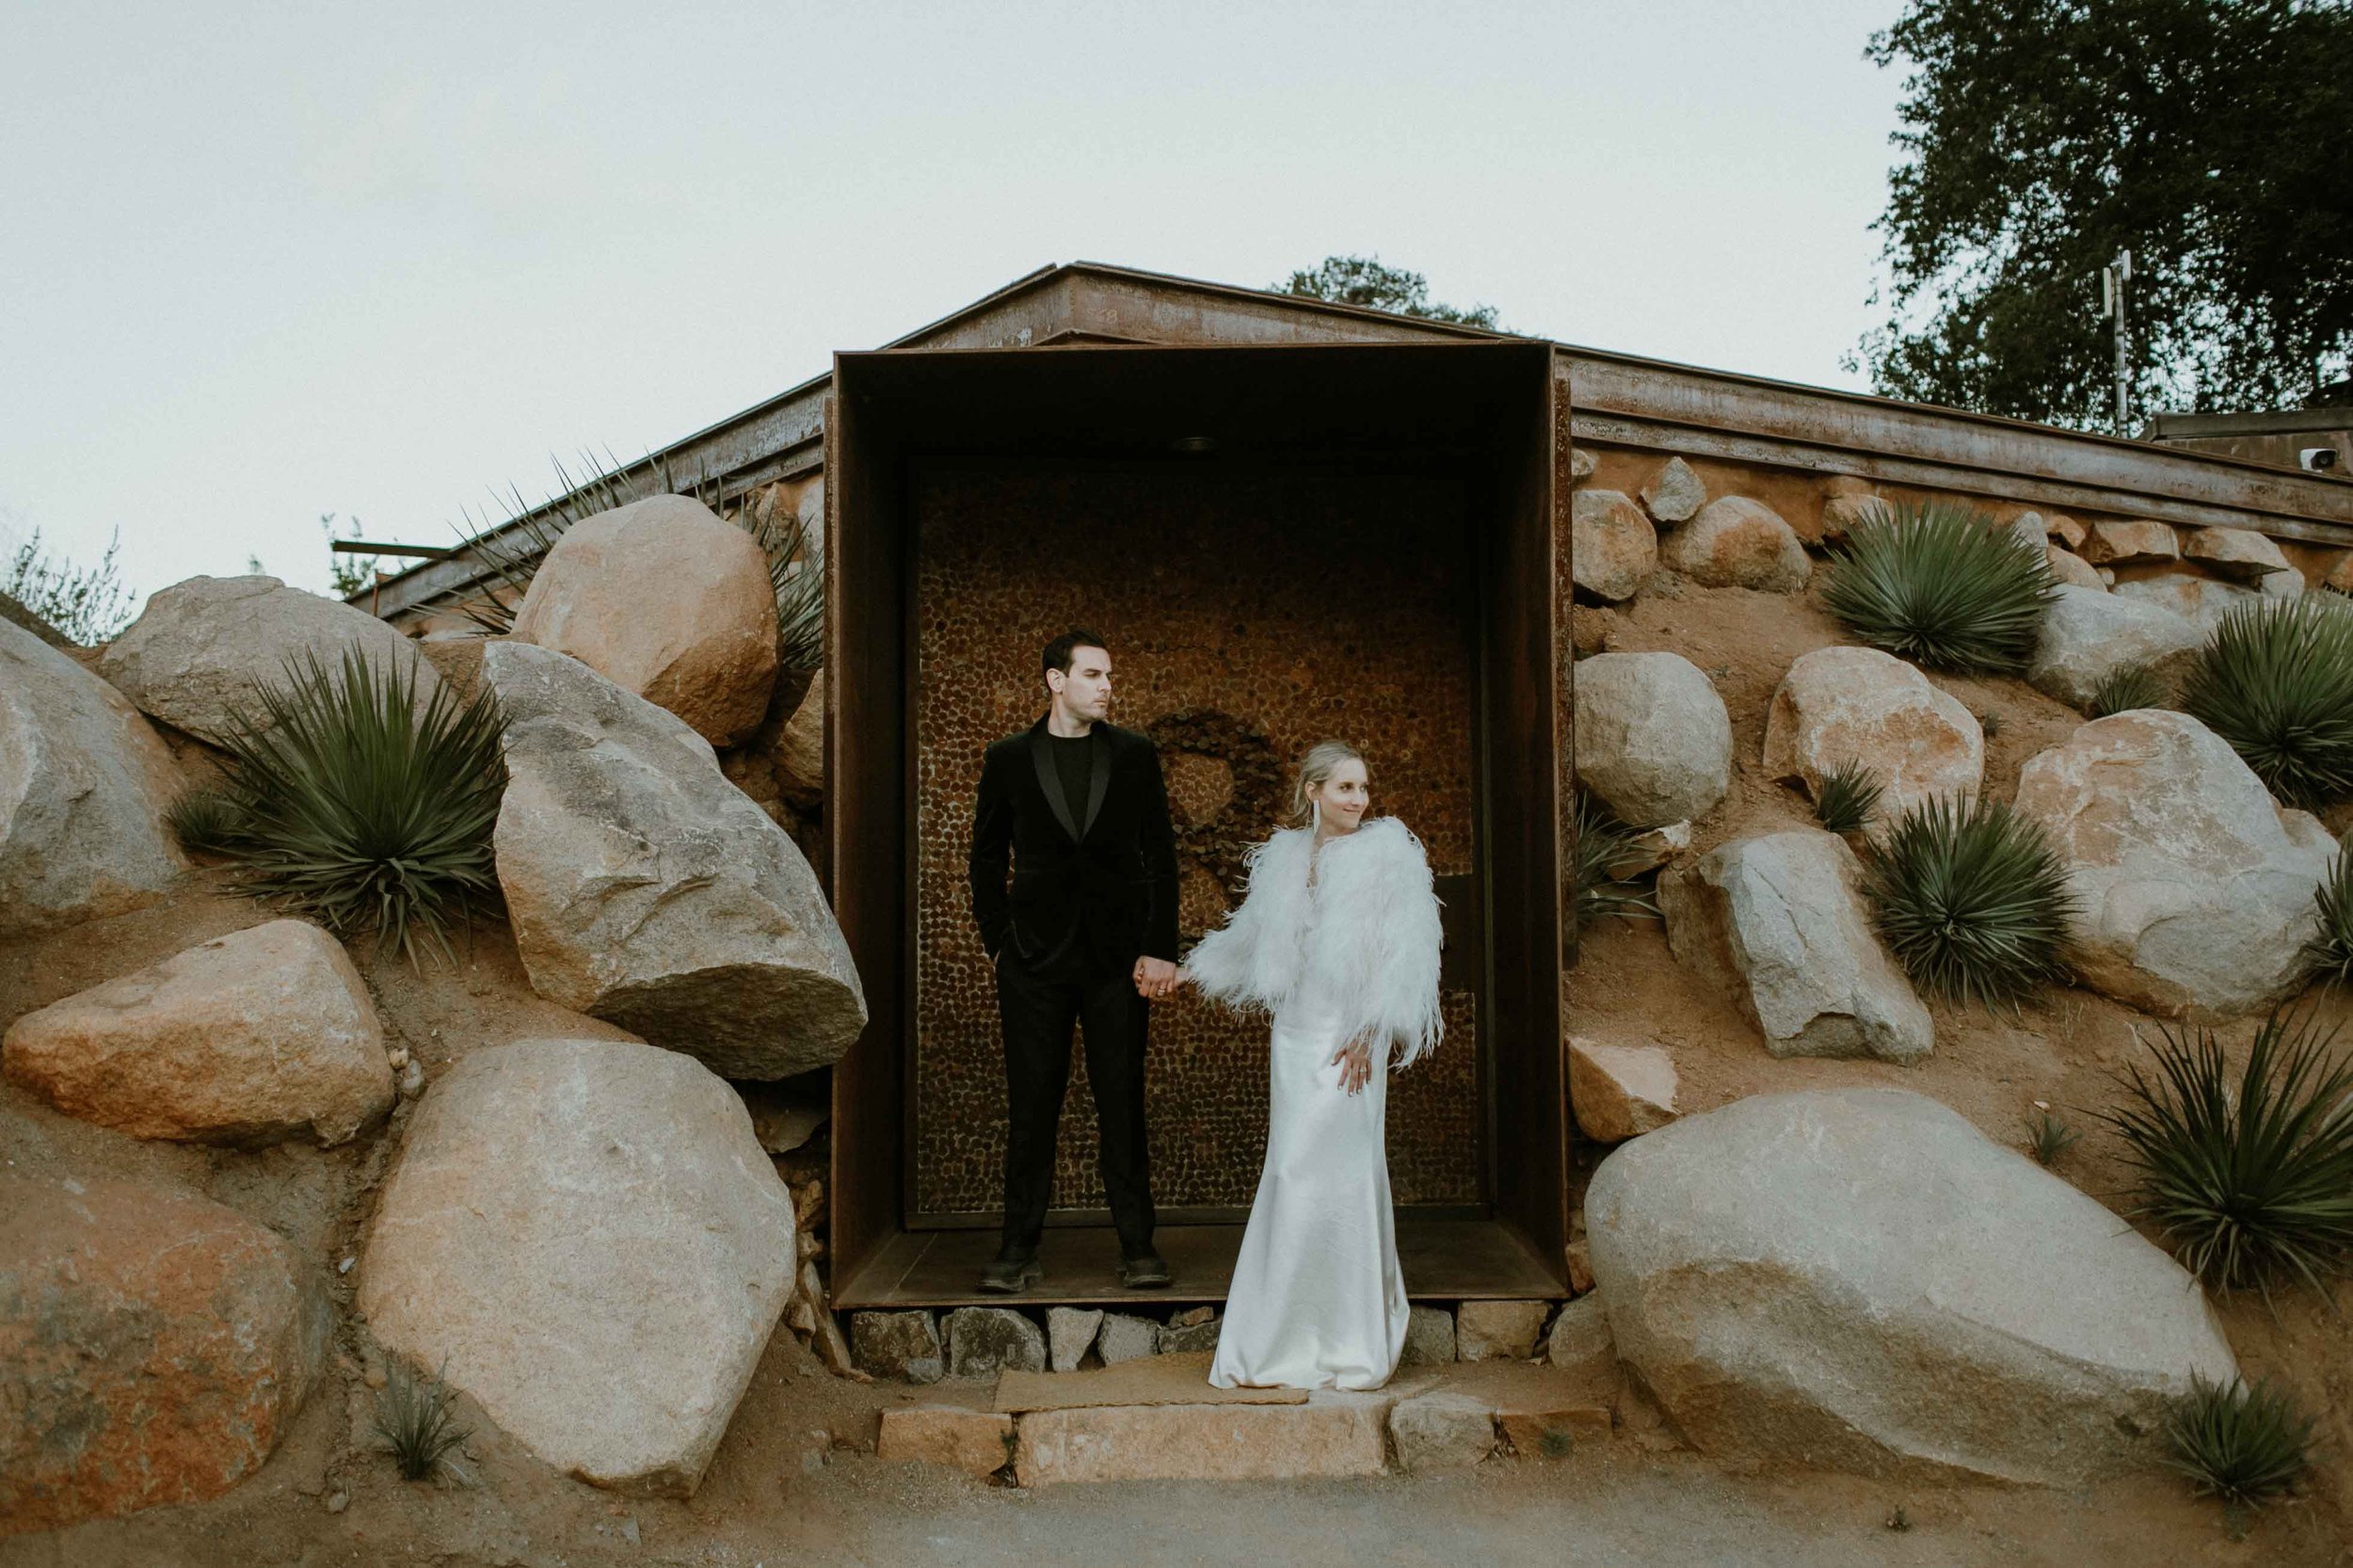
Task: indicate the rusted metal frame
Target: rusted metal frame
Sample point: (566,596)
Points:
(1148,307)
(780,438)
(1682,440)
(1667,397)
(2280,421)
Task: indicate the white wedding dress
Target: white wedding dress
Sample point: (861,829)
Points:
(1318,1298)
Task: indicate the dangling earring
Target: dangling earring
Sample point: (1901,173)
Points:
(1315,815)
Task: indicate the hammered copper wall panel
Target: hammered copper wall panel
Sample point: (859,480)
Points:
(1249,614)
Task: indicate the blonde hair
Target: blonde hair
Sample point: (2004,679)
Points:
(1322,759)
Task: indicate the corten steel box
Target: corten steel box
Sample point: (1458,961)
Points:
(1490,421)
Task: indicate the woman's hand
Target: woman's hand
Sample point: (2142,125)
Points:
(1357,1071)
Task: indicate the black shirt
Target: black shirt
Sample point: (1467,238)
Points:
(1074,764)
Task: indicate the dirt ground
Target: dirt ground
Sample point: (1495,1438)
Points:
(795,1483)
(795,1480)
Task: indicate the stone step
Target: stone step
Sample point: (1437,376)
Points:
(1434,1418)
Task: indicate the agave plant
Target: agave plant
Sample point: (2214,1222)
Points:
(359,808)
(208,821)
(2329,952)
(1940,584)
(2243,1445)
(2253,1180)
(2276,682)
(2048,1136)
(2126,688)
(1971,898)
(796,575)
(412,1417)
(1603,841)
(1848,798)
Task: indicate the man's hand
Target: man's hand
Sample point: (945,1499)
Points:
(1155,978)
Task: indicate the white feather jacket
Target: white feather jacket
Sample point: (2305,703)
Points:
(1362,944)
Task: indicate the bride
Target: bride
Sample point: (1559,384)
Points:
(1338,939)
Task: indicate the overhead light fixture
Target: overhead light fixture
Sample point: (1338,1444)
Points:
(1194,444)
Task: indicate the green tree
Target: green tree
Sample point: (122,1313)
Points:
(350,573)
(2213,138)
(1363,281)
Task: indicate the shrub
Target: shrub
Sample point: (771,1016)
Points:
(2276,682)
(1940,584)
(362,810)
(1971,898)
(2048,1136)
(1604,841)
(2243,1445)
(2249,1181)
(86,605)
(207,821)
(1846,799)
(412,1417)
(2124,689)
(2328,953)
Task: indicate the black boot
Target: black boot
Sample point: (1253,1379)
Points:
(1141,1270)
(1015,1269)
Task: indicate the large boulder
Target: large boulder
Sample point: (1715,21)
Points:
(2197,887)
(1612,544)
(1738,543)
(591,1237)
(154,1347)
(1778,921)
(1653,742)
(84,782)
(666,601)
(2241,554)
(1620,1092)
(2201,601)
(203,650)
(1844,705)
(2087,635)
(646,890)
(2068,566)
(261,1035)
(1858,1279)
(2131,543)
(1675,493)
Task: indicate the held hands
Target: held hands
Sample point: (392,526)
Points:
(1156,978)
(1357,1072)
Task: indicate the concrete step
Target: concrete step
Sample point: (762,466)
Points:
(1431,1418)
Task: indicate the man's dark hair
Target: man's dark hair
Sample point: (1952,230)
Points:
(1059,652)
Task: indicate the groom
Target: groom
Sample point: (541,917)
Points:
(1086,931)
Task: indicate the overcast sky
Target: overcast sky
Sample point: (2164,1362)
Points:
(262,262)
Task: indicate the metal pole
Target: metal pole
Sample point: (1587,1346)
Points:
(2121,272)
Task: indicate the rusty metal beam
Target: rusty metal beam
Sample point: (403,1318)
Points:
(1618,399)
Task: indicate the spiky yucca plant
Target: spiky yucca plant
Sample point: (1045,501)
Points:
(412,1417)
(2252,1180)
(1940,584)
(362,810)
(2276,682)
(1603,841)
(1846,798)
(2048,1136)
(2240,1444)
(1971,898)
(2126,688)
(2329,952)
(207,820)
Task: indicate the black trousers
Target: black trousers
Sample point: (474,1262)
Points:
(1037,1012)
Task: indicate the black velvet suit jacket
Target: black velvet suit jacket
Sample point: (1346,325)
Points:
(1111,879)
